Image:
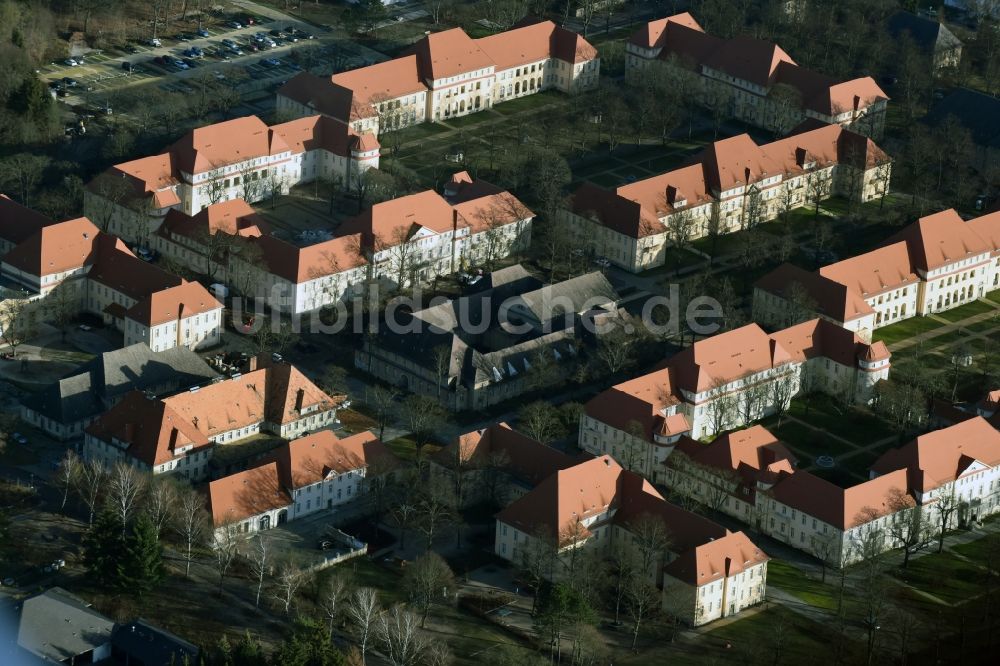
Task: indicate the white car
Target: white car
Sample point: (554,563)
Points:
(84,327)
(70,62)
(155,42)
(602,262)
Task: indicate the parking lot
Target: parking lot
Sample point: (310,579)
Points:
(102,71)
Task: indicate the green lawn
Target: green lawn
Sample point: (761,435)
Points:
(983,326)
(943,575)
(528,102)
(470,120)
(755,639)
(421,131)
(968,310)
(805,441)
(794,581)
(980,550)
(905,329)
(852,423)
(993,296)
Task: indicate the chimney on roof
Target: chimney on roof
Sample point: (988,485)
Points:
(674,196)
(746,175)
(252,363)
(800,156)
(299,398)
(729,566)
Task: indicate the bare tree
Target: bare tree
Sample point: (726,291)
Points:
(382,402)
(160,503)
(70,468)
(642,599)
(260,561)
(540,421)
(333,599)
(651,540)
(536,560)
(721,408)
(17,323)
(124,490)
(226,547)
(434,509)
(290,578)
(399,637)
(946,506)
(907,527)
(427,580)
(818,186)
(190,523)
(363,611)
(826,547)
(90,484)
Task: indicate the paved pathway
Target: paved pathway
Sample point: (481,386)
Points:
(949,326)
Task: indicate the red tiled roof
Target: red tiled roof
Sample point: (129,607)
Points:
(173,304)
(301,264)
(310,459)
(151,430)
(18,223)
(940,239)
(839,507)
(832,298)
(246,494)
(522,456)
(942,456)
(56,248)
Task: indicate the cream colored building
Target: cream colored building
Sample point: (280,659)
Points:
(736,183)
(726,381)
(705,572)
(447,75)
(752,80)
(241,158)
(937,263)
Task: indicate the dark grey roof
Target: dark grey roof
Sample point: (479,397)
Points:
(975,111)
(576,295)
(97,384)
(56,625)
(150,645)
(928,34)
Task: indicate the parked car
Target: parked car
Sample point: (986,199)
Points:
(271,62)
(219,75)
(277,358)
(85,327)
(228,42)
(70,62)
(127,66)
(275,33)
(190,63)
(185,37)
(19,438)
(130,48)
(203,33)
(602,262)
(155,42)
(235,25)
(69,83)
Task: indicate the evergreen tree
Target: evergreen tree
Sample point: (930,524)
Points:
(308,645)
(141,567)
(103,549)
(249,652)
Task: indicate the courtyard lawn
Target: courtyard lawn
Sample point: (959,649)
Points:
(839,475)
(794,581)
(983,326)
(905,329)
(993,296)
(674,259)
(471,120)
(807,443)
(968,310)
(404,448)
(420,132)
(852,423)
(944,576)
